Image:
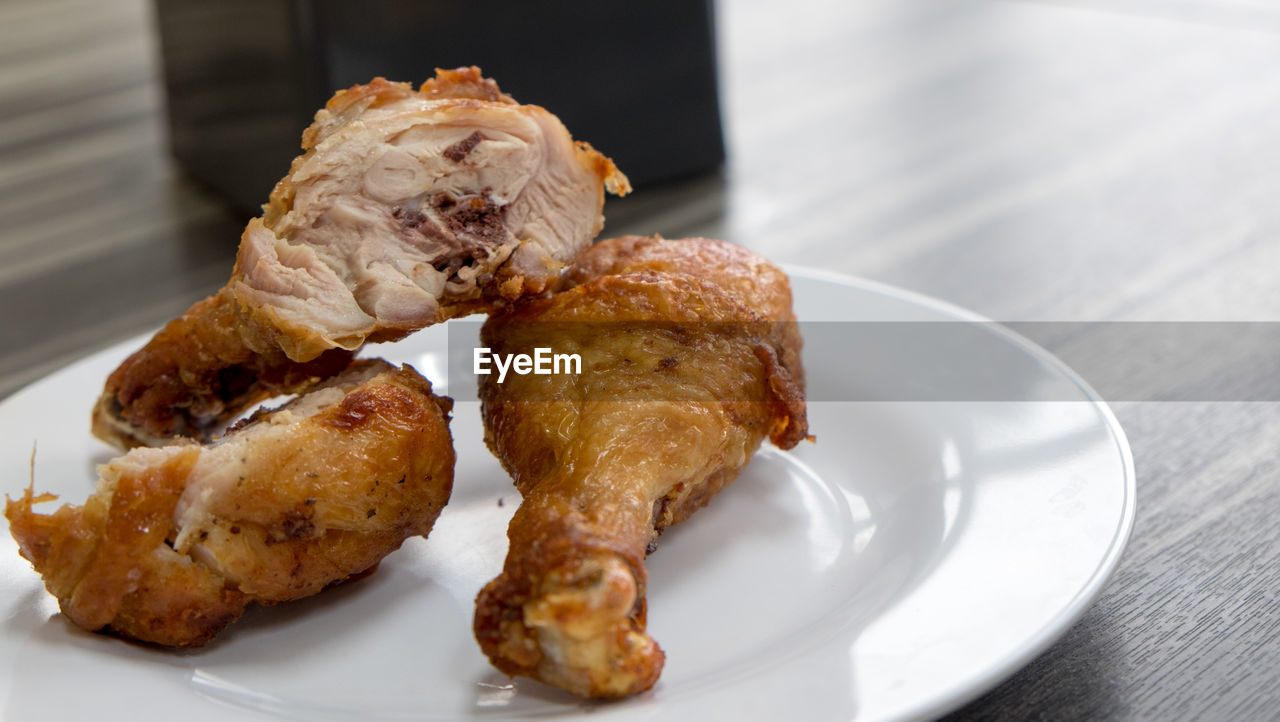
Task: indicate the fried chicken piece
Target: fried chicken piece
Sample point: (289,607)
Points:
(689,360)
(177,541)
(197,374)
(408,207)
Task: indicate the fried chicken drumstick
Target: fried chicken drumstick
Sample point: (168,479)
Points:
(690,359)
(177,541)
(408,207)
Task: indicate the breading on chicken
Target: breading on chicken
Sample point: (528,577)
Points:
(197,374)
(178,540)
(408,207)
(690,358)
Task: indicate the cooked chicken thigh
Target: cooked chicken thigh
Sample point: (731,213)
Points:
(177,541)
(689,360)
(407,207)
(198,373)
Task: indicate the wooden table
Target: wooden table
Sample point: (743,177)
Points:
(1071,161)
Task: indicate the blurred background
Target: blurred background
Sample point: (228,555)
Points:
(1060,160)
(1032,160)
(638,80)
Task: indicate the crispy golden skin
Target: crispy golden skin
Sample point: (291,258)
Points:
(407,207)
(690,359)
(199,372)
(177,541)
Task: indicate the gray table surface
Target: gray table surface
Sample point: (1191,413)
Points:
(1081,161)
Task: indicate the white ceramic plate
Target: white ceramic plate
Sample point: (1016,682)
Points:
(912,558)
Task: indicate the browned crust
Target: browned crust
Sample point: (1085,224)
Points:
(198,373)
(554,546)
(703,332)
(105,563)
(761,299)
(324,503)
(380,460)
(464,82)
(220,357)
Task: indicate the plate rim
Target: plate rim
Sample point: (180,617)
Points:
(1055,626)
(1065,618)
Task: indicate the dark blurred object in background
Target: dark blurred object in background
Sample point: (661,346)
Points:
(244,77)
